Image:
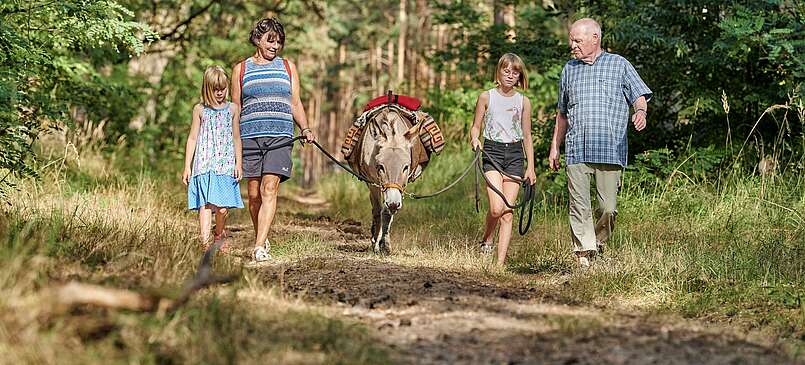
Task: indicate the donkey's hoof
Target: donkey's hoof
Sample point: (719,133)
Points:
(384,250)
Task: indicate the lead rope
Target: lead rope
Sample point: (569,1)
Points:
(528,193)
(528,189)
(264,150)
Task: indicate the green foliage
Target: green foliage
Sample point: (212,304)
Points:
(697,164)
(48,69)
(776,28)
(691,53)
(454,111)
(484,42)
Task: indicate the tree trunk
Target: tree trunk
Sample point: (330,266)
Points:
(150,67)
(402,21)
(151,64)
(343,90)
(344,106)
(379,67)
(390,50)
(505,15)
(373,66)
(418,65)
(442,45)
(311,169)
(331,141)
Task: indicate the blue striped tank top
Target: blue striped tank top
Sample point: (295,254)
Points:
(266,109)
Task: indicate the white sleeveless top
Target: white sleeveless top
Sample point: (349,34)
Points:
(503,119)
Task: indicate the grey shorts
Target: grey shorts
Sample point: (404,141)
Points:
(508,155)
(257,163)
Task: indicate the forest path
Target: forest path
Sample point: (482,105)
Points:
(431,315)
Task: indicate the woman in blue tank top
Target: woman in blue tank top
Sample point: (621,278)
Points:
(266,87)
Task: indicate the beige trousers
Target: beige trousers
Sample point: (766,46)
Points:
(586,231)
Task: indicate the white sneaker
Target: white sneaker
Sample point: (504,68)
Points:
(487,248)
(261,254)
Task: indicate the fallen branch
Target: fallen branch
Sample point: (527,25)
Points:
(75,293)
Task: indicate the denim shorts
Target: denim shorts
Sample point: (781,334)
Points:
(257,163)
(508,155)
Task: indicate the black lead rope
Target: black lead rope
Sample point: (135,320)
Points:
(264,150)
(452,184)
(525,204)
(477,184)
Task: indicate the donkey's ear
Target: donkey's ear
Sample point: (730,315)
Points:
(374,130)
(413,132)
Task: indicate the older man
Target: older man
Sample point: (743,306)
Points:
(595,92)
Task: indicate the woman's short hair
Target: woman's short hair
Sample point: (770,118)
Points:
(214,79)
(518,65)
(270,26)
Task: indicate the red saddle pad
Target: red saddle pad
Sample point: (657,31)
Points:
(407,102)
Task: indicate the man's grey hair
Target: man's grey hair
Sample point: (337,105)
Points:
(589,25)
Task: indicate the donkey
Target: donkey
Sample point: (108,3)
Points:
(389,157)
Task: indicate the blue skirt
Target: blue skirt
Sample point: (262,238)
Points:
(222,191)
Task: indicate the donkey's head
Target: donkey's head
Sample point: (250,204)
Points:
(389,158)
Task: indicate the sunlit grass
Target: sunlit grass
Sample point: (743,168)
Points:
(730,249)
(134,232)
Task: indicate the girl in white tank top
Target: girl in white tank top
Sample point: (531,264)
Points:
(503,118)
(506,115)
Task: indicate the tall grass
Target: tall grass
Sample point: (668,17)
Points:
(85,221)
(728,247)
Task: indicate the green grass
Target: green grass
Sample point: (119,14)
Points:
(133,232)
(730,250)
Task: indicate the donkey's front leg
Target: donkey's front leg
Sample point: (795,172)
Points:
(386,218)
(374,197)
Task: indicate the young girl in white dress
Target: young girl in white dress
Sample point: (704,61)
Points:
(213,157)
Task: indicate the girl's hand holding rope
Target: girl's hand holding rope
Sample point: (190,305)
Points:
(530,176)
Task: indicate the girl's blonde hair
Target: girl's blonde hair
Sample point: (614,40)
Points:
(518,65)
(214,79)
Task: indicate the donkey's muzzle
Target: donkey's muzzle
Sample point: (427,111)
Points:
(392,200)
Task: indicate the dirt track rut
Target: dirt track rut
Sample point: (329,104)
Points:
(431,316)
(434,317)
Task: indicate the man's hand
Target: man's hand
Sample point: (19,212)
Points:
(553,159)
(639,119)
(475,144)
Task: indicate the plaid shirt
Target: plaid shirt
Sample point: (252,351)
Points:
(596,99)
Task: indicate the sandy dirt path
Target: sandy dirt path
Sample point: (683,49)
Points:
(431,316)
